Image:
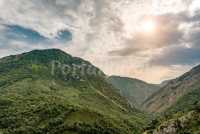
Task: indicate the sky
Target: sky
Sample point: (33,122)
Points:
(152,40)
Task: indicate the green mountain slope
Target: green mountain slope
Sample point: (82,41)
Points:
(186,103)
(168,95)
(182,118)
(38,96)
(183,115)
(136,91)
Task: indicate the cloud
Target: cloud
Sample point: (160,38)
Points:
(178,55)
(43,16)
(10,33)
(184,53)
(88,23)
(102,31)
(16,39)
(166,33)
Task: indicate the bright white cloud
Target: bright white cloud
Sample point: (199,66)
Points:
(194,6)
(33,14)
(170,6)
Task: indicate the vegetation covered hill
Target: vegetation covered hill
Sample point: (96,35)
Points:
(186,103)
(179,123)
(136,91)
(48,91)
(182,118)
(168,95)
(183,115)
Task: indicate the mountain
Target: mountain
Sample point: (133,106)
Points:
(164,83)
(136,91)
(49,91)
(181,118)
(175,90)
(179,102)
(179,123)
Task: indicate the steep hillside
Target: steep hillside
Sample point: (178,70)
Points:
(136,91)
(183,117)
(164,83)
(186,103)
(49,91)
(171,93)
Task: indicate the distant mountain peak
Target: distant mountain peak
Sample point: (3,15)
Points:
(48,53)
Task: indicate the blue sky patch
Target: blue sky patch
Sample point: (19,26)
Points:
(64,36)
(16,32)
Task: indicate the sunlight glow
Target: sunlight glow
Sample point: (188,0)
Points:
(148,26)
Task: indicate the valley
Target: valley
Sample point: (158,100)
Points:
(39,97)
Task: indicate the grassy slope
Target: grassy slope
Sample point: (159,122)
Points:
(34,101)
(186,103)
(134,90)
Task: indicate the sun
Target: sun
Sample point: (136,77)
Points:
(148,26)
